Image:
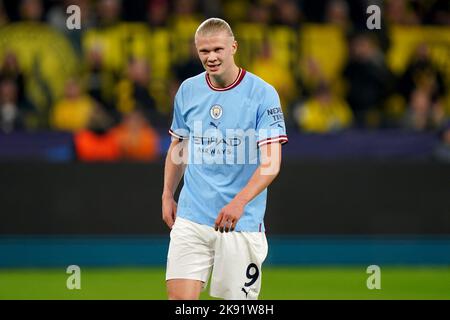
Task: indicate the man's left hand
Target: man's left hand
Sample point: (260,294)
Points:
(229,216)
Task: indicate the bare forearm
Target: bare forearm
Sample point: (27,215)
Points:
(173,172)
(261,179)
(231,213)
(257,183)
(264,174)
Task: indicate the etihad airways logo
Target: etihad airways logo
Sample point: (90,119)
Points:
(232,142)
(224,146)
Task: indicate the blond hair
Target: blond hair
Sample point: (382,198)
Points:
(213,26)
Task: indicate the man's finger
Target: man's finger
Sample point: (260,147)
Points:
(224,223)
(168,221)
(169,218)
(218,221)
(171,222)
(233,225)
(221,224)
(174,214)
(228,225)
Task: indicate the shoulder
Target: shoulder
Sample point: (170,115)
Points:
(259,86)
(193,82)
(190,87)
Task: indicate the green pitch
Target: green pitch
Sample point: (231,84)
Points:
(277,283)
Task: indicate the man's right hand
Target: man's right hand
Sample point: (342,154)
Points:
(169,210)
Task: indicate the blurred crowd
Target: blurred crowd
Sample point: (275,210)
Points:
(112,82)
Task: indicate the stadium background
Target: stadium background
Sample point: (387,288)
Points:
(83,132)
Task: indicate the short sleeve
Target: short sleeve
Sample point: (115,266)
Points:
(179,130)
(270,126)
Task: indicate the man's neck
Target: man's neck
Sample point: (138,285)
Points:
(226,79)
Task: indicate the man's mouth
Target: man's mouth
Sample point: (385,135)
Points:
(213,67)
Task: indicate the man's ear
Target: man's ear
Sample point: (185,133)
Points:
(235,46)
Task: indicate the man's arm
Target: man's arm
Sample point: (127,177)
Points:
(261,179)
(175,165)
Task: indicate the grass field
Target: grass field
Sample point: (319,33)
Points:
(278,283)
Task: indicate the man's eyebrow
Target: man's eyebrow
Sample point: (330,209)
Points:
(214,48)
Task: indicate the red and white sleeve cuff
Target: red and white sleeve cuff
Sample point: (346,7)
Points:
(177,136)
(281,139)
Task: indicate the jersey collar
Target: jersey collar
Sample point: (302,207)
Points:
(238,80)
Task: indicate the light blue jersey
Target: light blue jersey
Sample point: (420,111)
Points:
(225,127)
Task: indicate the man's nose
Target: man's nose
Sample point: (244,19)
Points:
(212,56)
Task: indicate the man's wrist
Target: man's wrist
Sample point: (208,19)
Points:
(241,200)
(167,195)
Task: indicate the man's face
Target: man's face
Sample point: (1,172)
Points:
(216,52)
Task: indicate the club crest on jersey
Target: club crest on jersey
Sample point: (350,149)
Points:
(216,111)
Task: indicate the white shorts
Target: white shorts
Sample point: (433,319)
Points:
(235,259)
